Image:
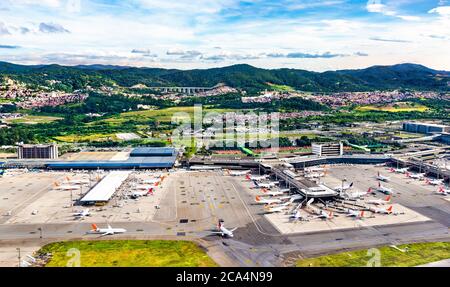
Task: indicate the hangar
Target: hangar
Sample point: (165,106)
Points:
(104,190)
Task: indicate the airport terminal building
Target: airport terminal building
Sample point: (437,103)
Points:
(138,158)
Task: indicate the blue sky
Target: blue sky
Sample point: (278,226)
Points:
(304,34)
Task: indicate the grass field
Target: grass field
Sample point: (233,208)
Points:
(86,138)
(123,253)
(394,108)
(417,254)
(281,88)
(163,115)
(34,120)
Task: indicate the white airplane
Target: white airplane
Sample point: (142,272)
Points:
(443,191)
(357,194)
(379,201)
(382,177)
(106,231)
(224,232)
(77,181)
(82,213)
(325,215)
(355,213)
(146,187)
(238,173)
(399,170)
(276,208)
(267,185)
(272,193)
(256,178)
(265,200)
(381,210)
(151,181)
(137,194)
(384,189)
(65,187)
(298,217)
(434,181)
(344,187)
(419,176)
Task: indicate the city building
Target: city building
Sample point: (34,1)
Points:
(328,149)
(425,128)
(29,151)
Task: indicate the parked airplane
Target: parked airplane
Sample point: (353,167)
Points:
(382,177)
(276,208)
(325,215)
(344,187)
(434,181)
(315,175)
(384,189)
(267,185)
(265,200)
(443,191)
(381,210)
(151,181)
(65,187)
(136,194)
(297,216)
(355,213)
(272,193)
(224,232)
(357,194)
(145,186)
(106,231)
(399,170)
(256,178)
(82,213)
(314,169)
(419,176)
(238,173)
(379,201)
(77,181)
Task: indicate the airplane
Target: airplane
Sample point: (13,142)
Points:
(379,201)
(224,232)
(344,188)
(381,210)
(82,213)
(382,177)
(268,185)
(106,231)
(238,173)
(146,187)
(385,190)
(256,178)
(151,181)
(399,170)
(355,213)
(276,208)
(65,187)
(325,215)
(434,181)
(443,191)
(265,200)
(77,181)
(380,164)
(136,194)
(416,175)
(298,217)
(357,194)
(272,193)
(314,169)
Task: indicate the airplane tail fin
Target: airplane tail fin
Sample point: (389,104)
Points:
(361,214)
(389,209)
(247,177)
(369,190)
(94,226)
(264,190)
(330,214)
(258,199)
(388,198)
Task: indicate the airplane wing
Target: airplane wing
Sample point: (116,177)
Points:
(233,229)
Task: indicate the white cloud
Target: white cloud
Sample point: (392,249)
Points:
(375,6)
(48,3)
(442,10)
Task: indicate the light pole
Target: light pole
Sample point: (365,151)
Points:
(40,232)
(18,250)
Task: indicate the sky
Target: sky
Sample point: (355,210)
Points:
(315,35)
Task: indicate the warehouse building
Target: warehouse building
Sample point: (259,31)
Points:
(28,151)
(425,128)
